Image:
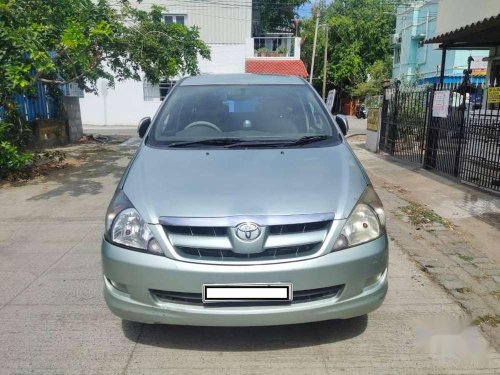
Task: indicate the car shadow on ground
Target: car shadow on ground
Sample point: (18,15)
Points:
(232,339)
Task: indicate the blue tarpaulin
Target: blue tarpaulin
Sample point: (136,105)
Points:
(475,80)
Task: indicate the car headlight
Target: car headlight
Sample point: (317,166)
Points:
(126,227)
(365,223)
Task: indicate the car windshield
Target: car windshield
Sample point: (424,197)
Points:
(250,115)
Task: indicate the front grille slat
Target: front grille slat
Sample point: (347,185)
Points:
(214,243)
(196,231)
(300,296)
(299,228)
(273,253)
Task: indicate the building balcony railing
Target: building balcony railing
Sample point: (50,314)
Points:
(274,47)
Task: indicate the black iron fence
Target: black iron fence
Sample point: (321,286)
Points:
(462,141)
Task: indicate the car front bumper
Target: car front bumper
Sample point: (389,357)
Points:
(362,270)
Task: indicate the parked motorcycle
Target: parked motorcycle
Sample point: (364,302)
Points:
(361,111)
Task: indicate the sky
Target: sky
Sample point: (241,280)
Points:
(305,10)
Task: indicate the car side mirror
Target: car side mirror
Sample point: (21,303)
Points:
(143,126)
(343,124)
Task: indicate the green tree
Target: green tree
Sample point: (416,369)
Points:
(276,14)
(359,36)
(61,41)
(377,73)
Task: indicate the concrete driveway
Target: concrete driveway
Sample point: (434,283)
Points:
(53,319)
(357,126)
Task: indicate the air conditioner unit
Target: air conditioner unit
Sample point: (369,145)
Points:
(396,39)
(418,37)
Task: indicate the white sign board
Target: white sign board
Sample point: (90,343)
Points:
(441,103)
(331,99)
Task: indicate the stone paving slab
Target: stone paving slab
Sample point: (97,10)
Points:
(469,274)
(476,214)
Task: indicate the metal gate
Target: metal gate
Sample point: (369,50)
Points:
(445,135)
(465,144)
(404,117)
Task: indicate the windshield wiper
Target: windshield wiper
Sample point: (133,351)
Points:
(258,143)
(238,142)
(308,139)
(207,142)
(278,143)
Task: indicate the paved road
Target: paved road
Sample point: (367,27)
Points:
(111,130)
(356,126)
(53,319)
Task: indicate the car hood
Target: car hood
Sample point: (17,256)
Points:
(215,182)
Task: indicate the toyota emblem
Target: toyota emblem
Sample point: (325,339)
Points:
(248,231)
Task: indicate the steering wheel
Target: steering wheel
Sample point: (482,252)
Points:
(203,123)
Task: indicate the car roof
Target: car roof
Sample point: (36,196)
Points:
(241,79)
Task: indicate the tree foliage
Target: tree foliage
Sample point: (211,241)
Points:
(377,73)
(62,41)
(359,36)
(276,14)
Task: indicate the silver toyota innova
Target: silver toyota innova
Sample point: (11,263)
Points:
(244,206)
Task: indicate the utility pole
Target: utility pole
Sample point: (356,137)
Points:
(325,58)
(314,45)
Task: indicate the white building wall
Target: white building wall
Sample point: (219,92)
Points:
(125,105)
(224,27)
(219,21)
(226,58)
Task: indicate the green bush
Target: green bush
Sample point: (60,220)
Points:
(11,159)
(12,131)
(13,140)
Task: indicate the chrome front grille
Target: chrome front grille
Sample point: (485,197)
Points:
(299,228)
(196,231)
(267,254)
(215,239)
(299,296)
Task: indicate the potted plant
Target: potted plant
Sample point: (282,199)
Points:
(281,51)
(262,52)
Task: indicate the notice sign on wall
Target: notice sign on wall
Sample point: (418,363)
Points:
(441,103)
(493,95)
(373,119)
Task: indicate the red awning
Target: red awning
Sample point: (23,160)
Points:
(289,67)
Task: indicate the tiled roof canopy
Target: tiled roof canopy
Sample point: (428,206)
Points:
(479,34)
(291,67)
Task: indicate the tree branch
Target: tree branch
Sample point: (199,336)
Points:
(97,59)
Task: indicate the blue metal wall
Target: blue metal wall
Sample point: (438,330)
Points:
(40,106)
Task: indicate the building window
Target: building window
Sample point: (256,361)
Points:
(397,55)
(179,19)
(166,87)
(158,91)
